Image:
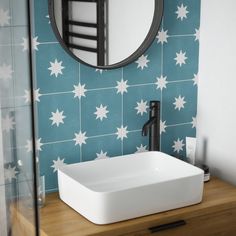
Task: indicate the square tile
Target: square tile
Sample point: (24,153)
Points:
(52,156)
(174,134)
(134,142)
(139,97)
(183,91)
(64,73)
(152,59)
(99,78)
(180,45)
(188,24)
(51,128)
(96,147)
(19,12)
(107,106)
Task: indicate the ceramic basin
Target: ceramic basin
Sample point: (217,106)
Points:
(120,188)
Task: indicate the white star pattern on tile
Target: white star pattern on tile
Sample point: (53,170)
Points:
(100,71)
(58,164)
(142,62)
(178,145)
(142,107)
(141,149)
(122,86)
(162,36)
(37,95)
(48,17)
(6,72)
(101,112)
(181,58)
(57,118)
(195,79)
(182,12)
(29,144)
(4,17)
(162,127)
(8,123)
(161,82)
(179,103)
(197,34)
(101,155)
(122,132)
(79,91)
(10,173)
(56,68)
(80,138)
(25,44)
(194,122)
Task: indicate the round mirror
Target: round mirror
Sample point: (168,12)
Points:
(105,33)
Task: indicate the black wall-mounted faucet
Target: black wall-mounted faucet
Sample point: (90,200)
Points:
(153,126)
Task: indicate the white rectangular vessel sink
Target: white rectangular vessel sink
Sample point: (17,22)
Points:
(120,188)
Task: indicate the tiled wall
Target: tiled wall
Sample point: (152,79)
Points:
(85,113)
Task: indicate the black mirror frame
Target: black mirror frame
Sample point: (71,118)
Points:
(159,7)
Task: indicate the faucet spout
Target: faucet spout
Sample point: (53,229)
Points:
(147,126)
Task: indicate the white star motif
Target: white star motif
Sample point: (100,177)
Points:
(29,145)
(79,91)
(37,95)
(194,122)
(178,145)
(122,132)
(57,118)
(141,149)
(47,16)
(142,62)
(101,112)
(162,127)
(182,12)
(179,102)
(101,155)
(100,71)
(181,58)
(58,164)
(122,86)
(8,123)
(161,82)
(4,17)
(142,107)
(6,72)
(10,173)
(25,44)
(56,68)
(162,36)
(197,34)
(195,79)
(80,138)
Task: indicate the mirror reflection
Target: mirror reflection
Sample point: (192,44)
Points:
(103,32)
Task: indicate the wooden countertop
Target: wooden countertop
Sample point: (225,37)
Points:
(58,219)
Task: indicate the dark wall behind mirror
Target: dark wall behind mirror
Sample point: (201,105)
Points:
(106,33)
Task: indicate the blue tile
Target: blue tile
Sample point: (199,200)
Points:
(63,82)
(107,144)
(67,151)
(99,78)
(112,101)
(70,108)
(187,45)
(42,24)
(149,74)
(135,95)
(134,141)
(187,25)
(184,115)
(173,134)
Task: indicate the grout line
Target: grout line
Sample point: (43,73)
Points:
(48,43)
(98,89)
(48,94)
(135,131)
(181,35)
(55,142)
(102,135)
(179,81)
(180,124)
(139,85)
